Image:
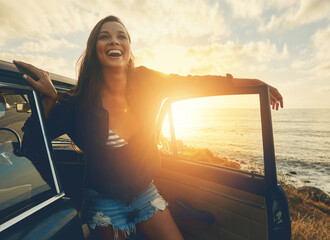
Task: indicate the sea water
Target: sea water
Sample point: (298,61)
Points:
(301,140)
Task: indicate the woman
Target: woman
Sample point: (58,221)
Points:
(110,115)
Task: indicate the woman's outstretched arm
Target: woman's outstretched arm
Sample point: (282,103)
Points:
(174,85)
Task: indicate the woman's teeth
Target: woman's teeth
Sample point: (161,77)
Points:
(114,53)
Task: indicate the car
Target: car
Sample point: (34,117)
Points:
(208,199)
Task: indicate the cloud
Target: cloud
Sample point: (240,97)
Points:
(316,60)
(214,58)
(264,51)
(254,9)
(300,13)
(31,19)
(47,44)
(148,21)
(160,21)
(321,42)
(246,8)
(312,70)
(165,58)
(39,29)
(235,57)
(286,14)
(301,64)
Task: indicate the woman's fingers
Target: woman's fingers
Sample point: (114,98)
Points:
(272,102)
(39,73)
(36,71)
(275,102)
(279,98)
(44,84)
(276,98)
(276,105)
(30,80)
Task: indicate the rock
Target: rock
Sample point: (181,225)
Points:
(315,194)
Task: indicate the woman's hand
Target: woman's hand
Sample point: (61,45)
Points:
(43,85)
(276,98)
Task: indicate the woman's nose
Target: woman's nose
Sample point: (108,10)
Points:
(114,41)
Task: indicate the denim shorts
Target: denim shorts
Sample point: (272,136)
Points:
(102,211)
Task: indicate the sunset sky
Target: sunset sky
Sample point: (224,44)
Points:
(283,42)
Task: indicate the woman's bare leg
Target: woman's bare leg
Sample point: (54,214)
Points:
(160,226)
(105,233)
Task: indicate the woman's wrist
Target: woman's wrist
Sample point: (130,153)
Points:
(51,95)
(259,82)
(48,103)
(49,99)
(239,82)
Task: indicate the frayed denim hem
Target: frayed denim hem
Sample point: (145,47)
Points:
(99,220)
(123,217)
(158,204)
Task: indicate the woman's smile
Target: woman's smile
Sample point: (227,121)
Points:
(114,53)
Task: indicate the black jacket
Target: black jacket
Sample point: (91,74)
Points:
(123,172)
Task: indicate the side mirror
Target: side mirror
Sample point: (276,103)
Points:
(8,106)
(23,107)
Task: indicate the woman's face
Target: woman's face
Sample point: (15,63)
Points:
(113,47)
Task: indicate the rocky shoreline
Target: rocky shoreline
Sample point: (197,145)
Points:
(315,194)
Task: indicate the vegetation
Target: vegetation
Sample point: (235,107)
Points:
(195,154)
(205,155)
(310,212)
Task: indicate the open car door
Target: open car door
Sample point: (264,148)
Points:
(225,197)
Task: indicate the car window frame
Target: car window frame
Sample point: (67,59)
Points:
(270,176)
(59,193)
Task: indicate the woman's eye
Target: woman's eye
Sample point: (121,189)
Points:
(122,37)
(103,37)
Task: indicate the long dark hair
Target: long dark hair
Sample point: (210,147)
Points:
(89,68)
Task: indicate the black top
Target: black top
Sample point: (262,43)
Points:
(123,172)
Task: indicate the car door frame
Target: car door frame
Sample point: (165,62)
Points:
(278,217)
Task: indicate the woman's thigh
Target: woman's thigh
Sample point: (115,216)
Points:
(160,226)
(106,233)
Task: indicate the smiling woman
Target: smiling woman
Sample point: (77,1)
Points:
(115,100)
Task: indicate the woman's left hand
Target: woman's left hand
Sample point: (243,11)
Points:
(276,98)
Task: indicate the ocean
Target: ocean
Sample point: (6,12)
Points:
(301,139)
